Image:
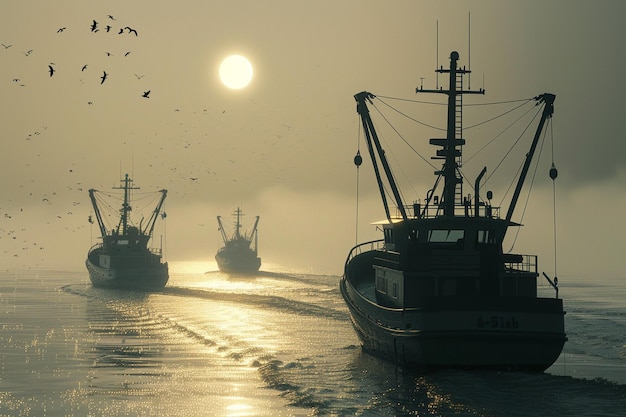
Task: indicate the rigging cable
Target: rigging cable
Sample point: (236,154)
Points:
(358,160)
(553,174)
(514,144)
(398,133)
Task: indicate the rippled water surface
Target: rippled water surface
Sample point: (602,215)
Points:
(273,344)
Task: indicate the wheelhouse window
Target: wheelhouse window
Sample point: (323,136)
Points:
(486,237)
(389,235)
(450,236)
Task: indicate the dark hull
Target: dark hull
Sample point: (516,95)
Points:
(237,262)
(483,332)
(143,274)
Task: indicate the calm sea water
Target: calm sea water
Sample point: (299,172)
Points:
(274,344)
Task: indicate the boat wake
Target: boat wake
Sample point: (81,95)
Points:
(299,342)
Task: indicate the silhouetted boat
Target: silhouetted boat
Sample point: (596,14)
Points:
(438,290)
(239,253)
(123,259)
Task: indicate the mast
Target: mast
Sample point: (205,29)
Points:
(451,152)
(155,214)
(221,229)
(96,209)
(126,208)
(548,110)
(238,223)
(372,140)
(255,234)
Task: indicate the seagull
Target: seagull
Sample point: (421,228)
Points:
(111,17)
(61,29)
(6,46)
(146,94)
(50,70)
(104,77)
(131,30)
(94,26)
(30,51)
(127,53)
(139,77)
(84,67)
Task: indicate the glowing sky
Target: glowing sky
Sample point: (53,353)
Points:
(282,147)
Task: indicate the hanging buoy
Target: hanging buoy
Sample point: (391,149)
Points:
(357,159)
(553,172)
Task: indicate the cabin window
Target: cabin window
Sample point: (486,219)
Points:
(446,235)
(381,282)
(388,235)
(394,290)
(486,236)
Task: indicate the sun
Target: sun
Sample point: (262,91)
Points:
(236,72)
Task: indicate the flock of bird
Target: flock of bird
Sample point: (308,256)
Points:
(95,27)
(24,239)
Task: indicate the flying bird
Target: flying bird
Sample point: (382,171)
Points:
(50,70)
(127,53)
(146,94)
(6,46)
(139,77)
(104,77)
(111,17)
(61,29)
(131,30)
(84,67)
(108,28)
(94,26)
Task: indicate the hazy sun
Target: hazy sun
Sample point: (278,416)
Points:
(236,72)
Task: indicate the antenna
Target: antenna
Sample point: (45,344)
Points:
(437,52)
(469,49)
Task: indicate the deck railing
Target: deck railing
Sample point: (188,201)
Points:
(363,247)
(416,211)
(527,263)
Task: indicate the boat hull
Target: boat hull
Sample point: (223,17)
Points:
(152,276)
(485,332)
(237,264)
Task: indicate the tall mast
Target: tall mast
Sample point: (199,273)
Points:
(126,207)
(452,143)
(238,224)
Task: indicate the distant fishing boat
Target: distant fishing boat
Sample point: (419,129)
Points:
(123,259)
(239,253)
(438,290)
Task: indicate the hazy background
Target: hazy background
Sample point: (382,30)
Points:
(282,148)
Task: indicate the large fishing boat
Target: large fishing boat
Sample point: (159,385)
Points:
(239,253)
(438,290)
(123,259)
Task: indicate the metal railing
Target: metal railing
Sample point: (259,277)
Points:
(528,263)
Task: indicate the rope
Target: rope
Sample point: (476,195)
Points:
(400,135)
(358,147)
(409,117)
(553,199)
